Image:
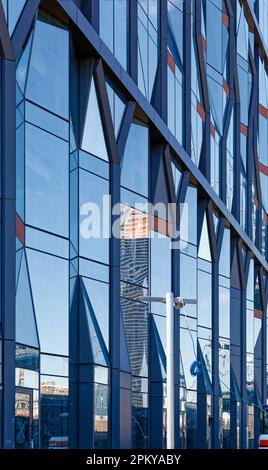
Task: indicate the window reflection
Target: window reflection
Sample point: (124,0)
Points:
(54,412)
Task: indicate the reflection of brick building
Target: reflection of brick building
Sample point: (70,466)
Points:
(49,388)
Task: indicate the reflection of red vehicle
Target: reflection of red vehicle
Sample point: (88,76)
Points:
(58,442)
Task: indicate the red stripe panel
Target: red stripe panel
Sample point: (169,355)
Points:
(201,111)
(171,62)
(243,129)
(20,229)
(263,443)
(263,111)
(263,168)
(258,314)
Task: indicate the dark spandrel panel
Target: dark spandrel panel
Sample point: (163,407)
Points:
(50,289)
(48,79)
(27,357)
(94,217)
(135,318)
(47,180)
(134,173)
(54,402)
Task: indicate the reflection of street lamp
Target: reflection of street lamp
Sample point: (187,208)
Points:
(171,303)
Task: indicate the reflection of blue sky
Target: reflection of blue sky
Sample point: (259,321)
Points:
(160,269)
(50,286)
(48,79)
(46,181)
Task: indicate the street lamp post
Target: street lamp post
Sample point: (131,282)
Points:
(171,303)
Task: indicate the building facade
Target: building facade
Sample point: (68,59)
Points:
(127,106)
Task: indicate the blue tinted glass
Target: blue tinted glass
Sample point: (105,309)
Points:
(188,211)
(214,27)
(204,299)
(22,65)
(54,404)
(188,281)
(47,242)
(20,171)
(54,365)
(93,217)
(93,164)
(50,288)
(46,121)
(93,270)
(93,138)
(120,31)
(14,11)
(134,174)
(224,312)
(25,317)
(98,294)
(48,80)
(160,278)
(47,175)
(101,416)
(107,23)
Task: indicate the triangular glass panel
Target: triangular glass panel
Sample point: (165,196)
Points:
(18,264)
(22,65)
(204,245)
(176,177)
(15,8)
(4,3)
(100,354)
(117,105)
(216,221)
(25,317)
(93,140)
(124,359)
(98,294)
(235,272)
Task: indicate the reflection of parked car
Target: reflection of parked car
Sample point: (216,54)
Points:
(58,442)
(263,441)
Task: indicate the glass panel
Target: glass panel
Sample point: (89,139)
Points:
(204,299)
(93,140)
(54,412)
(101,413)
(135,316)
(134,174)
(27,357)
(14,10)
(48,79)
(54,365)
(25,316)
(98,294)
(94,243)
(50,286)
(204,245)
(47,176)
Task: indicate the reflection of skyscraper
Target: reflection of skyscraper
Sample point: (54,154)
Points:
(134,251)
